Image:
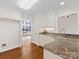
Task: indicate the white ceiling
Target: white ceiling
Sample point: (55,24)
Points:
(42,7)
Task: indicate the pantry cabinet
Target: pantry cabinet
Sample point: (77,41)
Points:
(68,24)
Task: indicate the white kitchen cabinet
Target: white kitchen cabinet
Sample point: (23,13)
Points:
(50,55)
(68,24)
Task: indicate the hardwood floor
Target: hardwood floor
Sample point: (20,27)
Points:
(29,51)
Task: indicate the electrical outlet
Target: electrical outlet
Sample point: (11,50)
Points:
(3,45)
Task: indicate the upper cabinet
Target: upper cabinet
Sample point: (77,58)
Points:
(68,24)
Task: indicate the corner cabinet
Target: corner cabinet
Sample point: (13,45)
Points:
(50,55)
(68,24)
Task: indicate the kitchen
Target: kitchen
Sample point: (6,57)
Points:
(62,31)
(63,43)
(52,25)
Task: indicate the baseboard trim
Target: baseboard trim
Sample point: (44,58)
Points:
(11,50)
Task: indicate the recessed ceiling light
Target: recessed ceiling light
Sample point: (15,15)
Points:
(26,4)
(62,3)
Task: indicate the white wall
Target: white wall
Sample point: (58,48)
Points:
(8,13)
(51,20)
(40,22)
(9,28)
(36,25)
(9,34)
(66,11)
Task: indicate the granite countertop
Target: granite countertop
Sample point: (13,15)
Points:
(73,36)
(64,46)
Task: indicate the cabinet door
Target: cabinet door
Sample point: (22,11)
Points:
(68,24)
(50,55)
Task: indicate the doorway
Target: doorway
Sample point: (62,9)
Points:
(26,32)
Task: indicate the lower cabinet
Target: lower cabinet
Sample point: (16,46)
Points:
(50,55)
